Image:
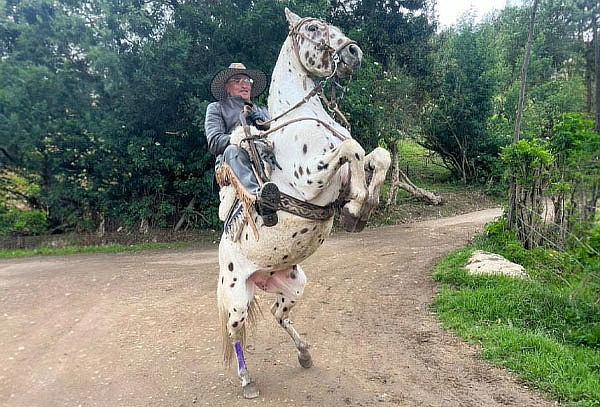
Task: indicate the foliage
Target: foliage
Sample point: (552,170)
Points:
(107,248)
(22,222)
(527,160)
(105,121)
(531,326)
(109,106)
(394,33)
(454,122)
(544,263)
(380,104)
(577,171)
(562,168)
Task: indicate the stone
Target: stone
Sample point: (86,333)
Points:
(489,263)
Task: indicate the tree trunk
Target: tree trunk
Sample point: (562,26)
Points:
(512,198)
(596,42)
(589,74)
(592,204)
(420,193)
(187,209)
(393,192)
(101,230)
(144,226)
(524,73)
(401,180)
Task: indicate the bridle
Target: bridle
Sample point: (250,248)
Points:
(324,44)
(334,60)
(290,204)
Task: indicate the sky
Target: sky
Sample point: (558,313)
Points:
(450,10)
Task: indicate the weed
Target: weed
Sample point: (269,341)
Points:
(545,329)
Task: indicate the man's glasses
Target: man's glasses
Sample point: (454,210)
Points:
(247,81)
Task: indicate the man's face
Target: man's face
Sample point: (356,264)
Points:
(239,85)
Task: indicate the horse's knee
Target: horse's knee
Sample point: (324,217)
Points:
(379,159)
(352,150)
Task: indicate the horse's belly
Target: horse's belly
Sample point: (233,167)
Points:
(292,240)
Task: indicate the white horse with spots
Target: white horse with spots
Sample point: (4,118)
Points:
(319,161)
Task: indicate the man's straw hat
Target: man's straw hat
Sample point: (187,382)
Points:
(217,85)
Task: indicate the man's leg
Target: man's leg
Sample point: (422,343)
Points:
(267,197)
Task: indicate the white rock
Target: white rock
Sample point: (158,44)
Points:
(489,263)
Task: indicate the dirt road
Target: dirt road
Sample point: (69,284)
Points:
(140,329)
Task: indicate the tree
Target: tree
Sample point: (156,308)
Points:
(512,199)
(108,109)
(454,121)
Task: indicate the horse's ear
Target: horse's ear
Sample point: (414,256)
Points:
(291,17)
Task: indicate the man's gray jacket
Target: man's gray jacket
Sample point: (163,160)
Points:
(221,118)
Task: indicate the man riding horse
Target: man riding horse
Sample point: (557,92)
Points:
(233,88)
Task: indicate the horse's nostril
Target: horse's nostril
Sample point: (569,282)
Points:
(353,49)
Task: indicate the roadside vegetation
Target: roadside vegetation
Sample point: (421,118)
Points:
(102,107)
(545,329)
(105,248)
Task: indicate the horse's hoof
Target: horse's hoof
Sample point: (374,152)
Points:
(251,391)
(351,223)
(305,362)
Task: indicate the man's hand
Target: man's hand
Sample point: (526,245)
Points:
(257,116)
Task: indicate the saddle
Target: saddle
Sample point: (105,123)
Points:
(234,208)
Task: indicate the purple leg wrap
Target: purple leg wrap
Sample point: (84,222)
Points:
(240,356)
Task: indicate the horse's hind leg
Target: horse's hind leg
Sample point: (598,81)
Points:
(249,387)
(236,309)
(290,287)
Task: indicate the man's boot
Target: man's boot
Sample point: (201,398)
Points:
(267,203)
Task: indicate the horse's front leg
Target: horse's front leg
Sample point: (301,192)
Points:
(320,171)
(376,165)
(289,286)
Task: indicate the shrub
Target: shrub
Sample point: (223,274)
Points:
(22,222)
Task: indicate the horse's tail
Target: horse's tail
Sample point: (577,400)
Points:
(253,312)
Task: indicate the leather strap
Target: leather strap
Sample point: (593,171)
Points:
(305,209)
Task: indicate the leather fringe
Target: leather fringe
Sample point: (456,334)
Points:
(225,176)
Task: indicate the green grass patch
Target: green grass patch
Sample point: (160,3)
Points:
(108,248)
(423,165)
(536,327)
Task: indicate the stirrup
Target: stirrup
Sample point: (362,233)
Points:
(267,204)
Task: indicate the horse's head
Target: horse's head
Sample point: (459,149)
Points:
(321,48)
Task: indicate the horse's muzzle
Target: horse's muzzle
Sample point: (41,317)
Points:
(351,55)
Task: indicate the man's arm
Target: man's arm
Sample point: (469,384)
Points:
(214,127)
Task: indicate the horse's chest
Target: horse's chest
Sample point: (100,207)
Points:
(291,241)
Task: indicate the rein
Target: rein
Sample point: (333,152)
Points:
(288,203)
(335,58)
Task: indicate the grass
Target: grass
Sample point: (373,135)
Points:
(536,328)
(108,248)
(425,170)
(422,163)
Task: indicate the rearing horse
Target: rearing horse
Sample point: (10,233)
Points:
(319,163)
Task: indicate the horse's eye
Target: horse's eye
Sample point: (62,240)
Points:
(313,27)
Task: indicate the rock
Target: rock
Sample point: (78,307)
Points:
(489,263)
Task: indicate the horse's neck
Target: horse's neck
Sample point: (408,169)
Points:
(290,84)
